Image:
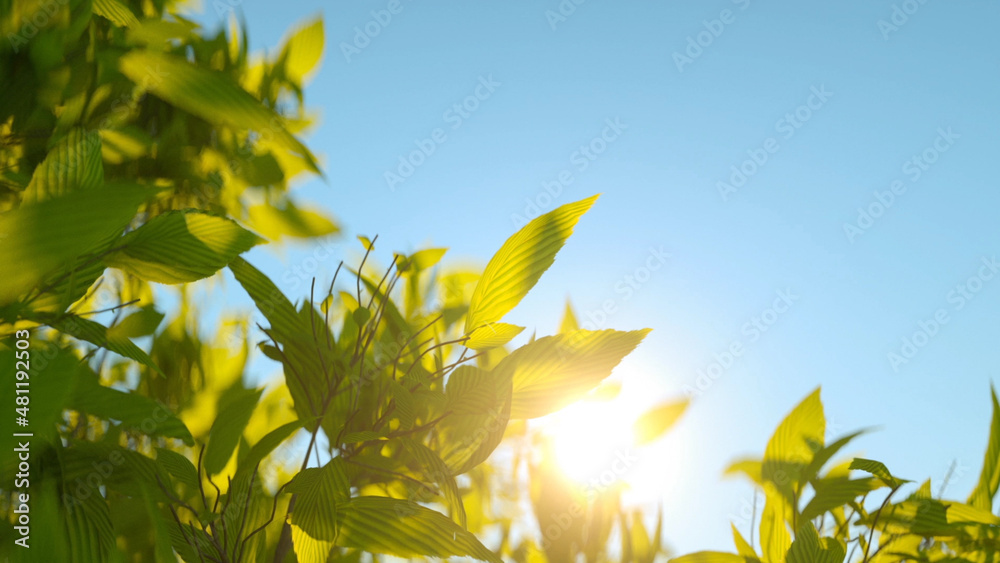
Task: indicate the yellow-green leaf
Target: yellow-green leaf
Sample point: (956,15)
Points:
(794,444)
(989,477)
(275,222)
(118,13)
(74,163)
(303,51)
(654,422)
(520,262)
(709,557)
(878,469)
(492,335)
(554,371)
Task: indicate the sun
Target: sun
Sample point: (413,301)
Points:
(594,445)
(586,437)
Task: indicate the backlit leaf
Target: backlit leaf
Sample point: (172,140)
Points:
(653,423)
(554,371)
(520,262)
(181,246)
(405,529)
(492,336)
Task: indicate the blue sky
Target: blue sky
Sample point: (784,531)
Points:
(845,110)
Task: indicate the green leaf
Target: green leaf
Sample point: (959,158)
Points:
(178,466)
(878,469)
(74,163)
(435,470)
(42,238)
(492,335)
(554,371)
(262,170)
(480,403)
(520,262)
(833,492)
(118,13)
(210,95)
(824,455)
(989,477)
(405,529)
(809,548)
(653,423)
(303,370)
(89,530)
(98,335)
(140,323)
(319,492)
(269,443)
(133,410)
(235,408)
(181,246)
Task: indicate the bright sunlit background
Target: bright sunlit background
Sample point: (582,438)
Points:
(839,105)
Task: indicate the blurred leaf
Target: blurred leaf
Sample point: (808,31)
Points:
(654,422)
(118,13)
(235,409)
(836,491)
(426,258)
(742,547)
(568,323)
(98,335)
(878,469)
(212,96)
(709,557)
(794,444)
(989,478)
(303,50)
(133,410)
(140,323)
(85,219)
